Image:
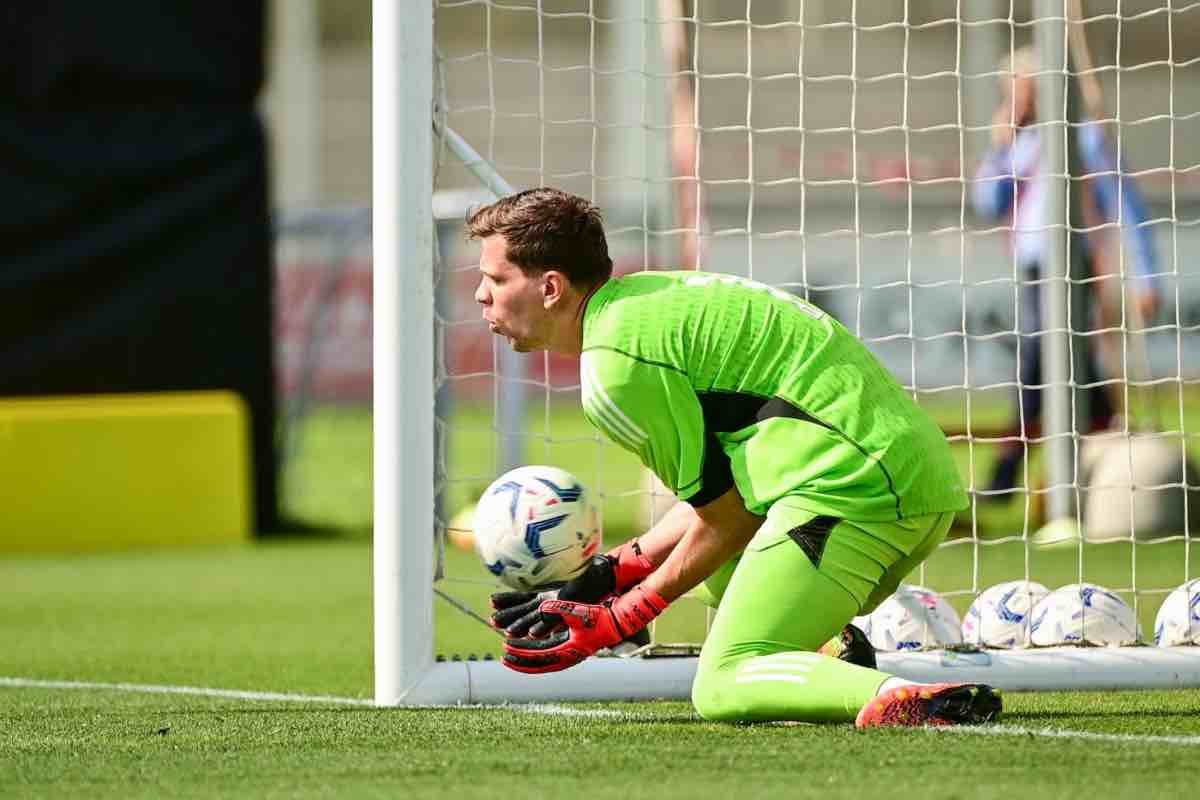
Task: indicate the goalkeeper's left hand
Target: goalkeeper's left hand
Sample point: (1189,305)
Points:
(588,629)
(517,613)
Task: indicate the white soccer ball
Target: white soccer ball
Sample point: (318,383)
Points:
(913,618)
(1116,468)
(1083,612)
(535,527)
(1000,616)
(1178,620)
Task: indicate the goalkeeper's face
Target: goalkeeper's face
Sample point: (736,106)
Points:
(513,302)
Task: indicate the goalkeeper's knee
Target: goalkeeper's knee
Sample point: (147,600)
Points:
(712,699)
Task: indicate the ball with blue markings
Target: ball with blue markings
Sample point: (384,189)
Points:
(536,527)
(1178,620)
(1002,615)
(912,618)
(1083,613)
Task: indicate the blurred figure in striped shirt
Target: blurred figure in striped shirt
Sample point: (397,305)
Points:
(1011,184)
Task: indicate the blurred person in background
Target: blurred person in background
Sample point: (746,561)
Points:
(1011,184)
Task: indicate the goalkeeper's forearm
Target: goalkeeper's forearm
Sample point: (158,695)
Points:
(714,534)
(658,542)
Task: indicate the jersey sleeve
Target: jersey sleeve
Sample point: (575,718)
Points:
(993,187)
(650,410)
(1119,199)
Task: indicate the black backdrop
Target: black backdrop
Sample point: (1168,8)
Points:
(135,242)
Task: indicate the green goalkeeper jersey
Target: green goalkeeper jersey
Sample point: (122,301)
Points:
(714,381)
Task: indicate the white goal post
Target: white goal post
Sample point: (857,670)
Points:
(402,357)
(405,150)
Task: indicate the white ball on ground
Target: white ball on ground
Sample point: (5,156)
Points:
(1178,620)
(1000,616)
(460,528)
(1117,470)
(1058,533)
(1083,613)
(914,618)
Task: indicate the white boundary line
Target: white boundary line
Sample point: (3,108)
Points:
(1058,733)
(553,709)
(239,694)
(148,688)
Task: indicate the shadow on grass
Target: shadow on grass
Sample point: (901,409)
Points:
(298,529)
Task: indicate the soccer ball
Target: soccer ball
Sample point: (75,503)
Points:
(536,527)
(1000,616)
(1083,612)
(914,618)
(1178,620)
(1057,534)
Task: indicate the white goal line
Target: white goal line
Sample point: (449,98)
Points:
(200,691)
(551,709)
(1058,733)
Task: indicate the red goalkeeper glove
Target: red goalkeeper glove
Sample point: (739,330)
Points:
(588,629)
(517,613)
(630,567)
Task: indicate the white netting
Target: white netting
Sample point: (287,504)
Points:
(832,149)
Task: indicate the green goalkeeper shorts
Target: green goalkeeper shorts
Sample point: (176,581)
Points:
(866,559)
(799,580)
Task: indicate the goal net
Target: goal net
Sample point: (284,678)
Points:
(1021,265)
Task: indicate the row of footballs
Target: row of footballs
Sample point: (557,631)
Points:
(1026,613)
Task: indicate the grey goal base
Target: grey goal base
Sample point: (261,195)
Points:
(670,678)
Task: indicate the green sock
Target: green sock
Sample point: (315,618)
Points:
(789,685)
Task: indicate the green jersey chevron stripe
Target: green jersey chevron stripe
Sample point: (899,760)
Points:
(596,400)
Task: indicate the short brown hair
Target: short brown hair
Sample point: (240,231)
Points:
(546,229)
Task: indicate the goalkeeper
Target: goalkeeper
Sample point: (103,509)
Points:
(812,483)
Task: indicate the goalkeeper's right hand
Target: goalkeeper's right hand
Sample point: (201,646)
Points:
(609,575)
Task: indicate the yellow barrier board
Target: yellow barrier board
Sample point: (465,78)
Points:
(102,472)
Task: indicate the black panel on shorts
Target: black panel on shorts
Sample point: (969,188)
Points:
(812,535)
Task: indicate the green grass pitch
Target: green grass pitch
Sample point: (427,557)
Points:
(293,615)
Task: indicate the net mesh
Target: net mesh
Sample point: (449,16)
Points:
(835,150)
